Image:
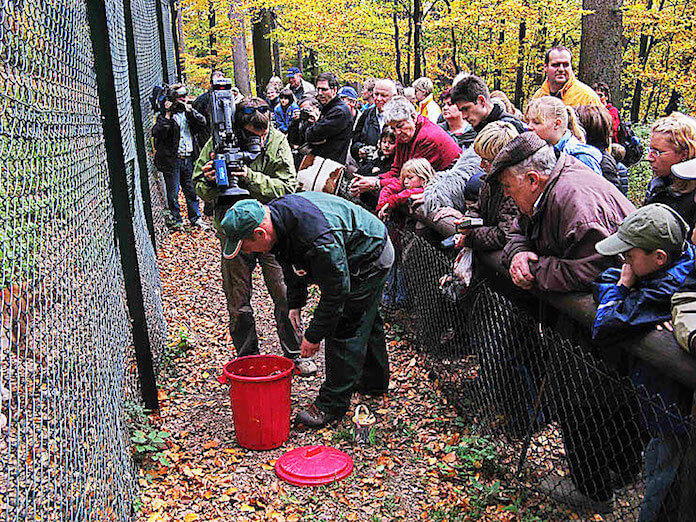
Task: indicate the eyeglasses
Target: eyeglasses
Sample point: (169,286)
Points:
(657,153)
(263,109)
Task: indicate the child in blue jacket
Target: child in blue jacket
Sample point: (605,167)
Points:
(658,262)
(284,109)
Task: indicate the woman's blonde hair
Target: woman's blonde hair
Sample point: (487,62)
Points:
(494,136)
(421,167)
(551,107)
(680,130)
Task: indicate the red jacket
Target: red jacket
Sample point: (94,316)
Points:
(616,121)
(429,141)
(394,193)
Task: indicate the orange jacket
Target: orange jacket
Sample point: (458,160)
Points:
(573,93)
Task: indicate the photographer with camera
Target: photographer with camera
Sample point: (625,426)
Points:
(270,175)
(328,131)
(176,146)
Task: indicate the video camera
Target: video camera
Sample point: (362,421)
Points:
(233,149)
(163,93)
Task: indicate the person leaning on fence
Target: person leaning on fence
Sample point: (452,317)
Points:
(672,141)
(497,210)
(565,209)
(270,175)
(344,249)
(561,82)
(416,137)
(415,174)
(659,262)
(684,301)
(474,100)
(176,148)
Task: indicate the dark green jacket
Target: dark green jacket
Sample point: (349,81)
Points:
(269,176)
(329,241)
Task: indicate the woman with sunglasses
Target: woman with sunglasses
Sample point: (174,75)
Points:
(672,141)
(271,175)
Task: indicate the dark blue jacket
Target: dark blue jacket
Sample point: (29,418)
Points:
(329,241)
(621,309)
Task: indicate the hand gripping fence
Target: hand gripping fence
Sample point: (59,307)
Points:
(81,211)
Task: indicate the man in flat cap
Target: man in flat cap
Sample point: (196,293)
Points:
(565,210)
(344,249)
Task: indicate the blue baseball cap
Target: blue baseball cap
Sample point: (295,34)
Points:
(239,223)
(347,92)
(292,71)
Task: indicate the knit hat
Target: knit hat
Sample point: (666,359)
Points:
(650,227)
(518,150)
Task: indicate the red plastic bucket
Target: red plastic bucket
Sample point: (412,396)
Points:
(260,395)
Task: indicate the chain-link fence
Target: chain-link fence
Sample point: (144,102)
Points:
(570,425)
(67,367)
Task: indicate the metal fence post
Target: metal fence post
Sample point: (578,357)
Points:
(175,38)
(163,46)
(134,82)
(125,234)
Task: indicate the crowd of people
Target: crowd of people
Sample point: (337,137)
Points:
(545,185)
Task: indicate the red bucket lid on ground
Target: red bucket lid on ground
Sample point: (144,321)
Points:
(314,466)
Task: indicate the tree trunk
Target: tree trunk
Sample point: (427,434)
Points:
(600,46)
(240,58)
(299,57)
(261,42)
(643,53)
(211,33)
(407,76)
(276,46)
(498,72)
(417,16)
(397,49)
(519,79)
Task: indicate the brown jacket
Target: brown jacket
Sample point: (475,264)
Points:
(577,209)
(498,212)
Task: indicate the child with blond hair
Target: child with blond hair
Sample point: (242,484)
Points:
(415,174)
(557,124)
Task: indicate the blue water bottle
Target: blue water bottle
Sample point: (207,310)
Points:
(221,173)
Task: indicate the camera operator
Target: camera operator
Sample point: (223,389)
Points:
(326,131)
(175,149)
(271,175)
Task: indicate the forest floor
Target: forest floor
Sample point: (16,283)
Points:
(422,463)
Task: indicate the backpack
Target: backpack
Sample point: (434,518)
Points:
(632,144)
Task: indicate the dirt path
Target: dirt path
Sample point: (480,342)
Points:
(413,470)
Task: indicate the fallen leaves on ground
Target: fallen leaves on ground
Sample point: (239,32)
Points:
(407,474)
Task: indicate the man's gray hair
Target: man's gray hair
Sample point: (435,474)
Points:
(387,83)
(399,109)
(542,161)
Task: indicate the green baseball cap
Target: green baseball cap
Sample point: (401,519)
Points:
(239,223)
(650,227)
